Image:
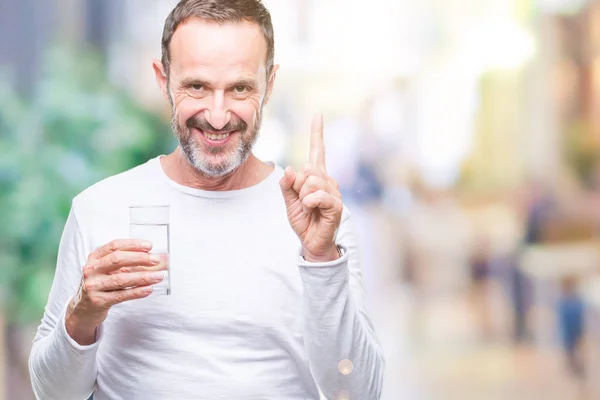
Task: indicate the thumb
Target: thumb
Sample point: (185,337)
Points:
(287,183)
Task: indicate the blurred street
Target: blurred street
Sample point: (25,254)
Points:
(465,137)
(438,348)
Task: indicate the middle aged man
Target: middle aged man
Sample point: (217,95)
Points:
(267,299)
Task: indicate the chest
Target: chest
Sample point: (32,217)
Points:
(232,271)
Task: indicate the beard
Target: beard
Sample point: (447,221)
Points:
(216,161)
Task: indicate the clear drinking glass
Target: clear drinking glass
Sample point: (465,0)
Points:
(152,223)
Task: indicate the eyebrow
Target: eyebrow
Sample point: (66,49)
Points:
(197,81)
(194,81)
(244,82)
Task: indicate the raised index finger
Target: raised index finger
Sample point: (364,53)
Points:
(121,244)
(317,143)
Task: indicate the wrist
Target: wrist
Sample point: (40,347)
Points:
(331,254)
(81,331)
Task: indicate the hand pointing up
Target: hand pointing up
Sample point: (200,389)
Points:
(313,201)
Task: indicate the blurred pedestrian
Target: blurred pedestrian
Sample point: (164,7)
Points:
(571,323)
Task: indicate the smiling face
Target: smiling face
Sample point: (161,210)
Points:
(217,87)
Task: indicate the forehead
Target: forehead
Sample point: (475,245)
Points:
(200,46)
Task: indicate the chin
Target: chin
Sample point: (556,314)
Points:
(218,165)
(216,169)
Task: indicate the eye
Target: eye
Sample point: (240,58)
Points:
(196,90)
(240,89)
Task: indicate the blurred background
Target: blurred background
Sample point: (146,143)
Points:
(465,135)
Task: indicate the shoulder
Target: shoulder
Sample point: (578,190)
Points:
(116,187)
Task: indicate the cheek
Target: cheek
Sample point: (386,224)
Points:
(248,110)
(186,108)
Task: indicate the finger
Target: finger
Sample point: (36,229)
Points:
(121,296)
(287,180)
(120,259)
(321,200)
(312,184)
(108,283)
(121,244)
(163,266)
(317,143)
(299,181)
(287,183)
(310,170)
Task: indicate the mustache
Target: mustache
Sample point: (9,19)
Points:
(199,122)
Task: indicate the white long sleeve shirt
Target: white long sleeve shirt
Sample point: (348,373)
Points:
(248,318)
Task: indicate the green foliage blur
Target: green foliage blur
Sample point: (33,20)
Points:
(75,130)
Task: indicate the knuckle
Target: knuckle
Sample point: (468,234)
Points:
(113,246)
(88,286)
(116,259)
(314,181)
(119,297)
(88,270)
(144,280)
(118,281)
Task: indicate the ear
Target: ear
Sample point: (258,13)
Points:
(161,78)
(271,83)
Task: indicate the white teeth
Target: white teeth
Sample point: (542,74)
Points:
(214,136)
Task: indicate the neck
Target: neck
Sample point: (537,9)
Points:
(177,167)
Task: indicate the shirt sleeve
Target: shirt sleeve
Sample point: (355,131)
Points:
(345,357)
(60,368)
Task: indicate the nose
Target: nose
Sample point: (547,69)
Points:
(217,114)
